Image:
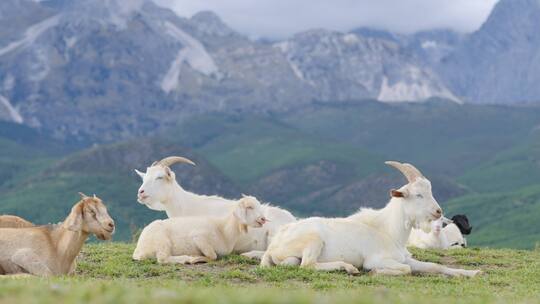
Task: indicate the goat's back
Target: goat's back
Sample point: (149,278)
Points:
(11,221)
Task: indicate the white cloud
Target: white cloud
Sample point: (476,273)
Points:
(282,18)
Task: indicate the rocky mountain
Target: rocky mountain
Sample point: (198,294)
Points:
(342,67)
(500,62)
(103,70)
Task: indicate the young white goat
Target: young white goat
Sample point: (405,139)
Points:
(439,237)
(372,239)
(160,191)
(190,240)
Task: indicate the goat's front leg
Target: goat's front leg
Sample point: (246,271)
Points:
(206,248)
(164,256)
(386,267)
(32,263)
(17,276)
(183,259)
(254,254)
(427,267)
(331,266)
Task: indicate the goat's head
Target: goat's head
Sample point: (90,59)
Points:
(90,215)
(249,212)
(418,202)
(158,181)
(462,222)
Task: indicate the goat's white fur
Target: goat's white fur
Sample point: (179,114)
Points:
(189,240)
(162,192)
(448,237)
(372,239)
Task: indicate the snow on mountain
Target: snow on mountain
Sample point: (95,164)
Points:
(415,91)
(192,53)
(347,66)
(30,35)
(12,113)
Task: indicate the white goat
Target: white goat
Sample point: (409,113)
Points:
(372,239)
(439,237)
(190,240)
(160,191)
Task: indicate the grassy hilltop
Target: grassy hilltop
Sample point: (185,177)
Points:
(106,274)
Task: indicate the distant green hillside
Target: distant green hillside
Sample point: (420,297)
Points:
(249,148)
(441,136)
(506,208)
(513,168)
(502,219)
(23,151)
(327,160)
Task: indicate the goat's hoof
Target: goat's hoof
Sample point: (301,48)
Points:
(198,260)
(476,273)
(17,276)
(467,273)
(351,270)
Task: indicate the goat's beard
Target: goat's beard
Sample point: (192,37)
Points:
(422,225)
(425,226)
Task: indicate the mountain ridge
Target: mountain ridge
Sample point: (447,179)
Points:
(142,68)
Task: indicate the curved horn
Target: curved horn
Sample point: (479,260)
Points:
(171,160)
(410,172)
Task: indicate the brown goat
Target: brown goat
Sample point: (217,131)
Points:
(51,250)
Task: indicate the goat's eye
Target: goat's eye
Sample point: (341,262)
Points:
(249,208)
(159,177)
(419,196)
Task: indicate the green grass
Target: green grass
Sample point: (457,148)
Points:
(106,274)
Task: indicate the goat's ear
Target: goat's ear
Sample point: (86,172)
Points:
(169,173)
(83,196)
(75,219)
(139,173)
(240,212)
(243,228)
(398,193)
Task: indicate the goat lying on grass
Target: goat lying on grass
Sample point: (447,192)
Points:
(51,250)
(444,234)
(372,239)
(189,240)
(11,221)
(160,191)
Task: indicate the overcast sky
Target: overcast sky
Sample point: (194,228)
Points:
(282,18)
